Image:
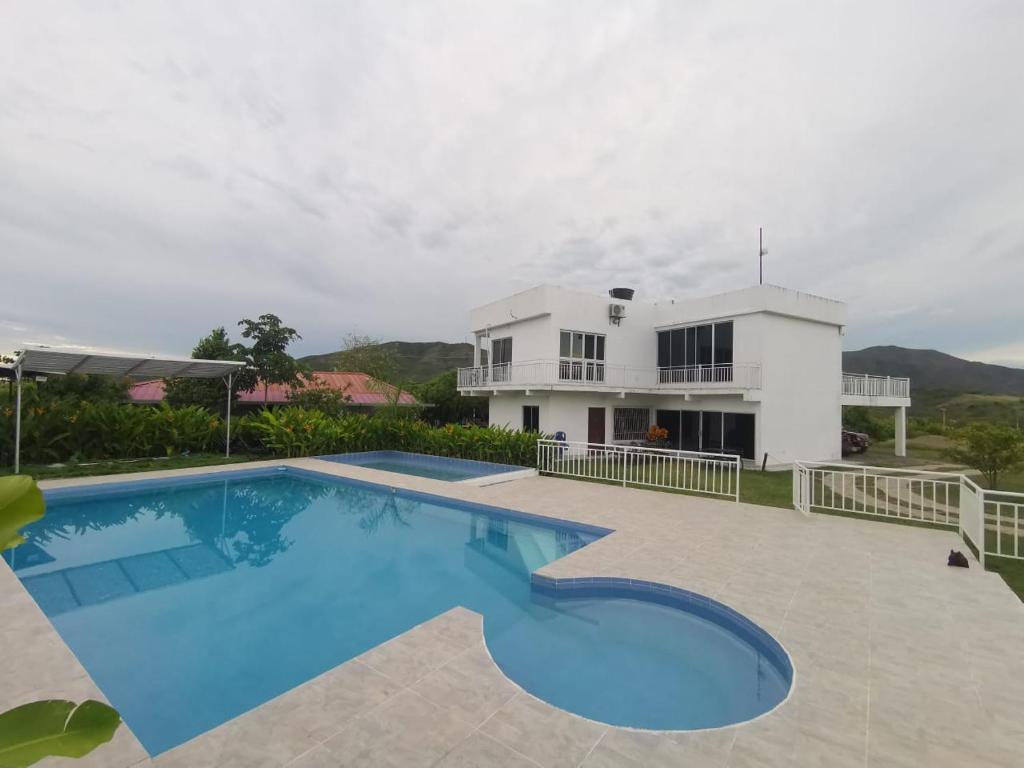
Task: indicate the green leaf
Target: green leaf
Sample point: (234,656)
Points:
(21,502)
(54,728)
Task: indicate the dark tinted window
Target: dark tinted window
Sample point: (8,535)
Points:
(664,349)
(723,343)
(705,351)
(531,418)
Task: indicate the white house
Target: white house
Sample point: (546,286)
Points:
(755,371)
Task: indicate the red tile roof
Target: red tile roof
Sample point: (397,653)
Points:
(358,386)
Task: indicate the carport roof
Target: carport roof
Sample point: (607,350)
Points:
(61,360)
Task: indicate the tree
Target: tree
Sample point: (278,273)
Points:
(443,403)
(318,397)
(211,393)
(366,355)
(990,448)
(268,355)
(78,387)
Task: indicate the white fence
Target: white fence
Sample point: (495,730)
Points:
(993,521)
(716,474)
(875,386)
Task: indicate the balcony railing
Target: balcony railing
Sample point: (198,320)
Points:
(590,374)
(863,385)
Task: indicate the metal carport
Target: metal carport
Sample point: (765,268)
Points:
(46,361)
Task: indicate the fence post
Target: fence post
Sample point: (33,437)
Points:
(739,467)
(981,527)
(625,466)
(960,511)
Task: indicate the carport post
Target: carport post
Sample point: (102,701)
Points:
(227,442)
(17,420)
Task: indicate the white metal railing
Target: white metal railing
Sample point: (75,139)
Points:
(591,374)
(1004,523)
(875,386)
(711,473)
(992,520)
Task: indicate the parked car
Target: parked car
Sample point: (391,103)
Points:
(854,442)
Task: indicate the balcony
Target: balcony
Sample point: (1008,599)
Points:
(591,375)
(862,389)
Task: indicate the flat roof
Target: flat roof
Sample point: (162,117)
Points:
(39,359)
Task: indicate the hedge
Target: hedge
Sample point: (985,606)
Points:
(65,431)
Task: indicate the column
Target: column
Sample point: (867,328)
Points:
(901,431)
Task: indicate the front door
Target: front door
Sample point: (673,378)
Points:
(595,425)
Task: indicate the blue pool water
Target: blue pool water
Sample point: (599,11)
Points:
(422,465)
(190,602)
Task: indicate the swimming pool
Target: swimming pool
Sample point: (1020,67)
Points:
(191,601)
(422,465)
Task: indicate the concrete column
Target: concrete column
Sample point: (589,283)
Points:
(901,431)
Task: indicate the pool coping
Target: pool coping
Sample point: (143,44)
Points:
(502,472)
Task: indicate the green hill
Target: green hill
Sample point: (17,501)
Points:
(418,360)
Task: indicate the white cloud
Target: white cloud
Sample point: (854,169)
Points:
(169,167)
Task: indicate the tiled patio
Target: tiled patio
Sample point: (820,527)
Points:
(900,660)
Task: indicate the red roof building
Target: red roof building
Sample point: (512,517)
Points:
(361,389)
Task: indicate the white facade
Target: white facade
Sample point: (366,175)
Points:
(756,371)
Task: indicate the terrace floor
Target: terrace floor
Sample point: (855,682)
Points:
(900,660)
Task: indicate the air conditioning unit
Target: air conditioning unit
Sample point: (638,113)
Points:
(617,310)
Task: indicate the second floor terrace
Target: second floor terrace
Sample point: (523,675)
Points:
(738,378)
(594,375)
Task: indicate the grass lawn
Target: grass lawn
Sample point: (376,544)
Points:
(1012,572)
(52,472)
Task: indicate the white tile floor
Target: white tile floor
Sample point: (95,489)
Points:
(900,660)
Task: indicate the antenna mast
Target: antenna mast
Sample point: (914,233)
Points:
(760,255)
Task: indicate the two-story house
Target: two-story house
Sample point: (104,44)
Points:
(754,371)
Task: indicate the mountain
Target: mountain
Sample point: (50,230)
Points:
(417,360)
(932,370)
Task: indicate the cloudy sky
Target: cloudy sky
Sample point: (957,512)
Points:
(382,167)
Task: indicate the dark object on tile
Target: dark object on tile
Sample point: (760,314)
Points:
(958,559)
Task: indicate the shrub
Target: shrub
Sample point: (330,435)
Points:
(294,432)
(63,431)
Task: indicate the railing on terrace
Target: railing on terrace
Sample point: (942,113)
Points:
(993,521)
(716,474)
(875,386)
(594,374)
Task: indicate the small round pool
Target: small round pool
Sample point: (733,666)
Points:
(642,656)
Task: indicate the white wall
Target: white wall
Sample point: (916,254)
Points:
(535,318)
(801,387)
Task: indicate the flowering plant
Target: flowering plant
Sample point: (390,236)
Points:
(656,434)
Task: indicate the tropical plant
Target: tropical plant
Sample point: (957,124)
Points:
(212,393)
(990,448)
(294,432)
(443,403)
(380,363)
(268,356)
(185,429)
(54,727)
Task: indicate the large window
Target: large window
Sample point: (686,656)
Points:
(581,356)
(713,431)
(696,353)
(531,418)
(630,423)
